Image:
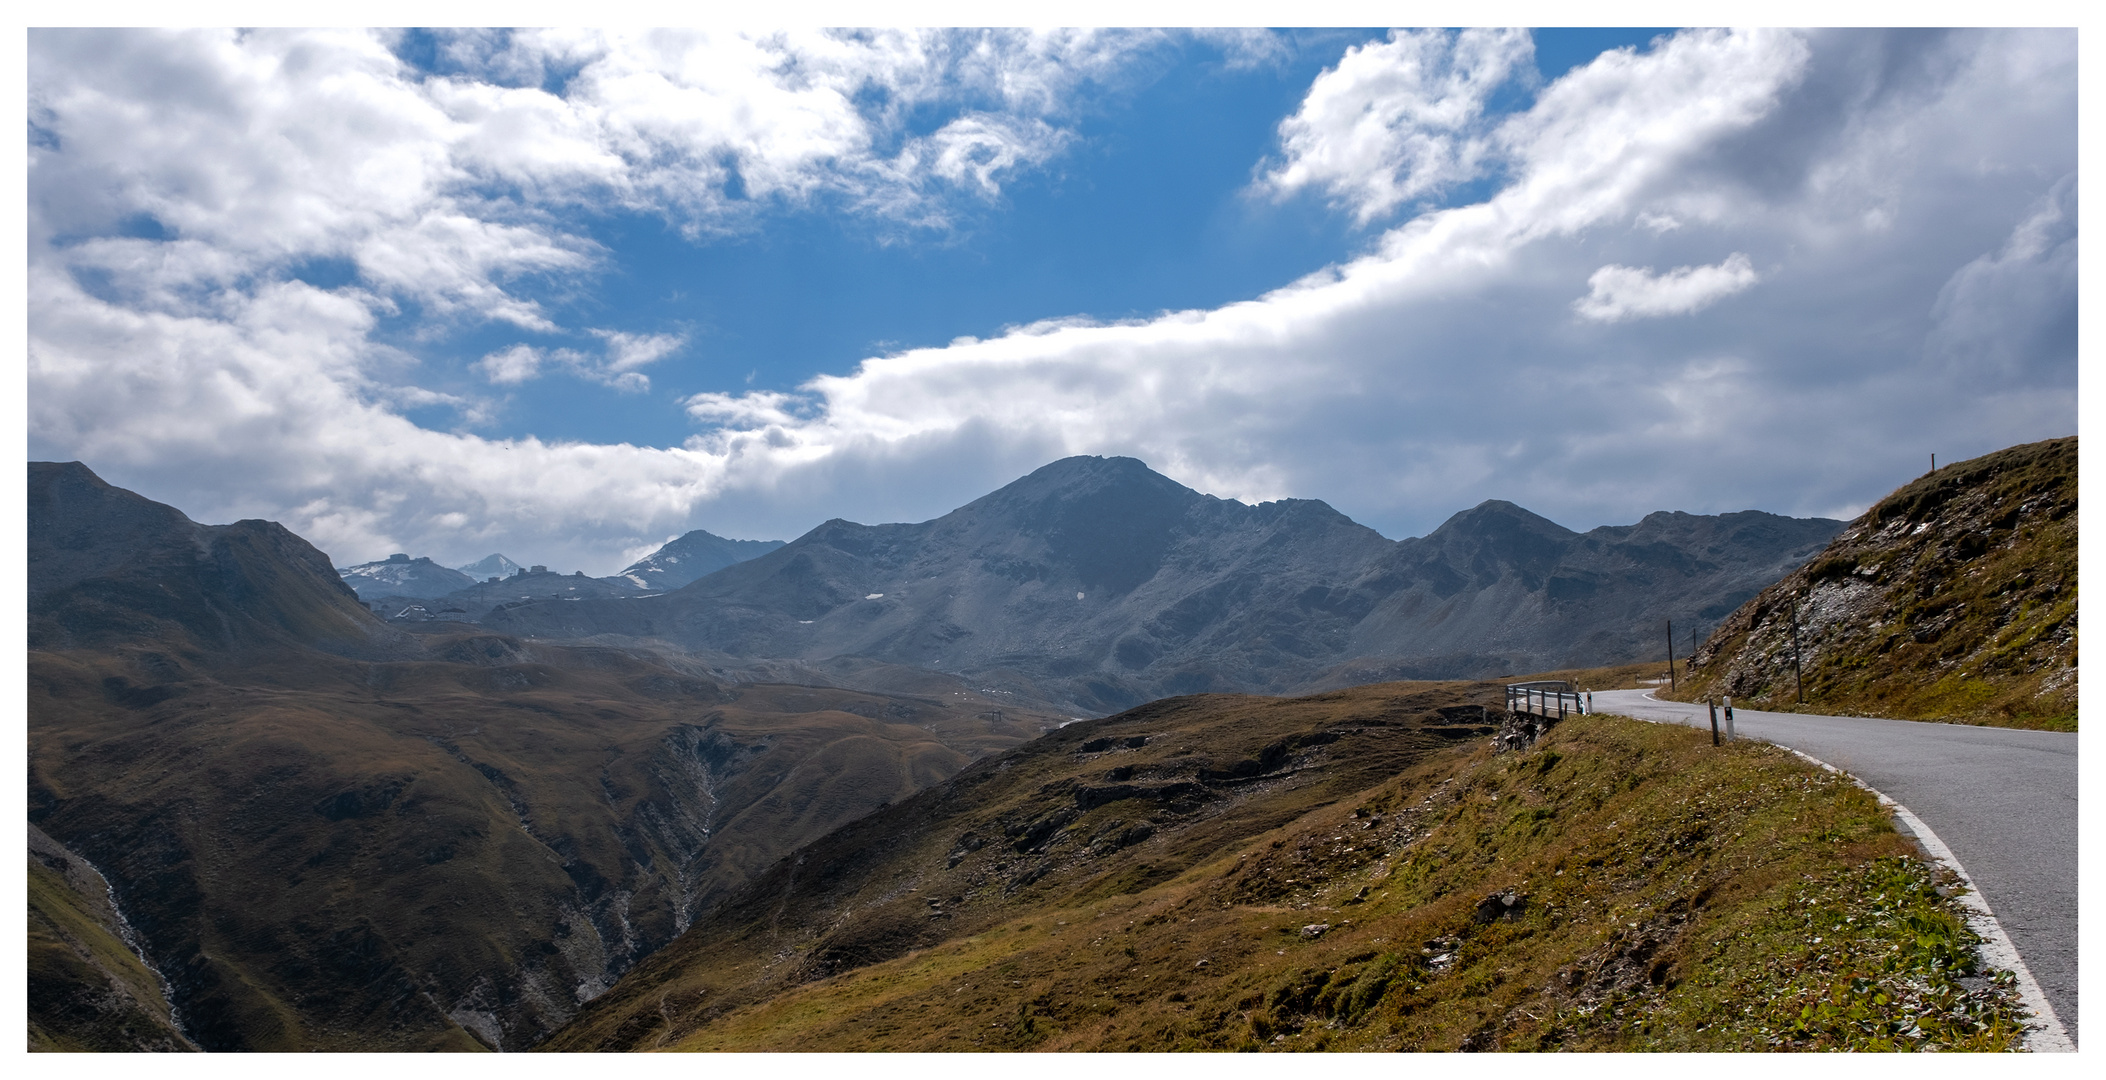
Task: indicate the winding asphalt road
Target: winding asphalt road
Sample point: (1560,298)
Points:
(2004,801)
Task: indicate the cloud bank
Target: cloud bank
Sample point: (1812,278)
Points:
(1909,198)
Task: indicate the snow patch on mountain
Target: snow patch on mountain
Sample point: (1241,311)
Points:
(400,575)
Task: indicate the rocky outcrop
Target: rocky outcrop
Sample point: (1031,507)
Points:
(1953,598)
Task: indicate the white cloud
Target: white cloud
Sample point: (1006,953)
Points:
(749,411)
(512,365)
(1898,191)
(1626,292)
(1398,119)
(978,151)
(615,365)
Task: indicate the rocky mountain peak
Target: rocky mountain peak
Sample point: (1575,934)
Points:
(1493,539)
(1498,519)
(686,558)
(1083,486)
(490,566)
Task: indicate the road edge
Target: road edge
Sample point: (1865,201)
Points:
(2046,1035)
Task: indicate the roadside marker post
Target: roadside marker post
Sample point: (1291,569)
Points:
(1729,721)
(1714,720)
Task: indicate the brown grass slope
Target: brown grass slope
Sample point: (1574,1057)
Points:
(87,990)
(1954,598)
(1348,871)
(443,854)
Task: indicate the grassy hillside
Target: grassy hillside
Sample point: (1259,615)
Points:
(87,990)
(1954,598)
(1352,871)
(450,853)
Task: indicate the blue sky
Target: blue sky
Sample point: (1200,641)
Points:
(1152,211)
(563,294)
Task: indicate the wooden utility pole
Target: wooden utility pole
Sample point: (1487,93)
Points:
(1798,680)
(1670,655)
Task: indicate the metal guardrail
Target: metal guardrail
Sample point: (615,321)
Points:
(1547,698)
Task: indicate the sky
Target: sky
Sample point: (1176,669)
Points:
(565,294)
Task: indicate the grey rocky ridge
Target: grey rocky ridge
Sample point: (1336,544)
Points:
(1097,583)
(685,558)
(399,575)
(419,590)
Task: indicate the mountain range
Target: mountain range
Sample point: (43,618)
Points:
(328,830)
(396,585)
(1097,584)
